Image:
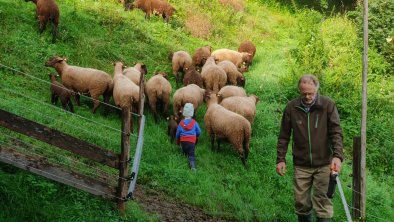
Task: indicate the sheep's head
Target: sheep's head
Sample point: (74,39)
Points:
(162,74)
(241,81)
(142,68)
(55,60)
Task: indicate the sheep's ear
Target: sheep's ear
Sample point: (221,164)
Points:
(168,118)
(64,59)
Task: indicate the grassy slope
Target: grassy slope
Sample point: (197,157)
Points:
(94,34)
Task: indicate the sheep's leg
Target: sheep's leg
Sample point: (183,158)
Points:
(106,104)
(54,33)
(76,98)
(53,99)
(96,103)
(212,142)
(42,23)
(70,105)
(152,104)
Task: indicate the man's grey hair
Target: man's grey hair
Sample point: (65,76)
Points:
(308,78)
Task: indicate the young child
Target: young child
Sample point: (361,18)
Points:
(187,134)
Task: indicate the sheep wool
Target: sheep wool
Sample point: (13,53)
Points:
(188,110)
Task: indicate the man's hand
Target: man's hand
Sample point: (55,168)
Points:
(336,164)
(281,168)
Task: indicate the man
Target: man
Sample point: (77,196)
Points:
(317,149)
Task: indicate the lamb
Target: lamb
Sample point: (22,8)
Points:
(59,91)
(158,90)
(234,77)
(84,80)
(157,7)
(192,77)
(134,73)
(249,47)
(181,62)
(200,56)
(238,58)
(245,106)
(188,94)
(228,91)
(47,10)
(221,123)
(172,125)
(213,76)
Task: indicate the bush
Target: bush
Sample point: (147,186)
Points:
(381,29)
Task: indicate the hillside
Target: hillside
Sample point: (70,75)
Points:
(96,33)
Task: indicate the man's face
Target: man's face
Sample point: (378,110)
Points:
(308,92)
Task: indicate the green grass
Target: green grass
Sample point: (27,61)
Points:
(97,33)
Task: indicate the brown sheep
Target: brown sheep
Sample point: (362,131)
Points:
(47,10)
(228,91)
(84,80)
(59,91)
(134,73)
(192,77)
(188,94)
(172,125)
(200,56)
(249,47)
(223,124)
(244,106)
(158,90)
(181,62)
(213,76)
(234,77)
(157,7)
(238,58)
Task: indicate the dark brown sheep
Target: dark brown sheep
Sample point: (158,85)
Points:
(249,47)
(181,62)
(157,7)
(59,91)
(172,125)
(192,77)
(47,10)
(200,56)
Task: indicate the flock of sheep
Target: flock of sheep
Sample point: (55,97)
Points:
(215,77)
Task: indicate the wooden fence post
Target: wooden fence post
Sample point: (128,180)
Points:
(356,178)
(124,160)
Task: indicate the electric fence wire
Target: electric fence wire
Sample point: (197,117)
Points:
(49,83)
(65,179)
(49,151)
(370,215)
(76,115)
(376,202)
(71,166)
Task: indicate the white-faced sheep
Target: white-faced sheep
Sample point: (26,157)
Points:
(59,91)
(157,7)
(213,76)
(47,10)
(84,80)
(244,106)
(172,125)
(228,91)
(249,47)
(234,77)
(238,58)
(181,62)
(188,94)
(134,73)
(200,56)
(158,90)
(192,77)
(223,124)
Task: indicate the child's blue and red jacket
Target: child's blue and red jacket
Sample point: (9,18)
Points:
(188,130)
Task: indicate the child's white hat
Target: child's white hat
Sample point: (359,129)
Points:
(188,110)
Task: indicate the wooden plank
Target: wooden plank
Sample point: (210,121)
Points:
(58,139)
(124,160)
(41,167)
(356,199)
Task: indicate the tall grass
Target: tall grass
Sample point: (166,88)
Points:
(97,33)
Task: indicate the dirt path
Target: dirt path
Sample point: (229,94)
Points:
(169,209)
